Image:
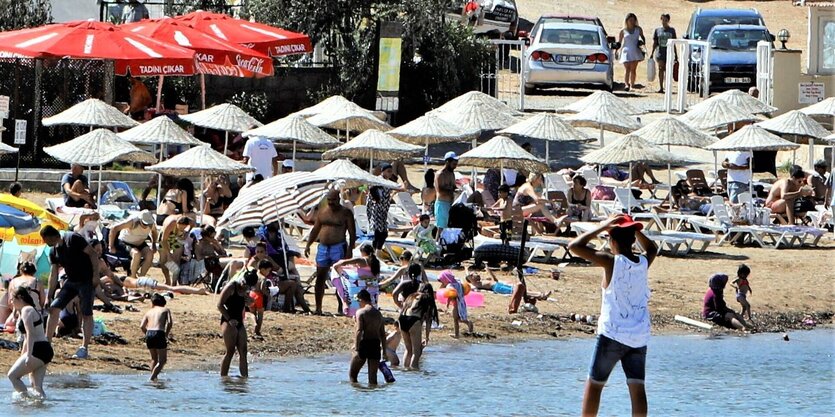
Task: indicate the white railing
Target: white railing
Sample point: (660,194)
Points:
(505,80)
(691,55)
(765,72)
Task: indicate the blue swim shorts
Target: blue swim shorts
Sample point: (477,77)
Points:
(327,255)
(442,213)
(608,352)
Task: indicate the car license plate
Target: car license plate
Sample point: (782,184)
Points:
(569,59)
(737,80)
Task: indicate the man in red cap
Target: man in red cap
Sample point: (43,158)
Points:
(623,327)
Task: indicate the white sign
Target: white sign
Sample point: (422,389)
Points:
(19,132)
(4,107)
(810,93)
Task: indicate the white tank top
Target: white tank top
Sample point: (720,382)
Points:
(624,311)
(135,235)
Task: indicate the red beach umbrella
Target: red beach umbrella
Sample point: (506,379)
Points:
(258,36)
(214,56)
(134,53)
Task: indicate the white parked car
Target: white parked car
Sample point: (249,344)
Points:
(568,55)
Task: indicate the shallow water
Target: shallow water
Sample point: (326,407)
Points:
(686,375)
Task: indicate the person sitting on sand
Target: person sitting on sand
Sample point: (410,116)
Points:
(36,352)
(492,283)
(156,324)
(288,284)
(369,339)
(459,305)
(743,288)
(172,248)
(233,300)
(530,200)
(784,193)
(393,339)
(133,235)
(76,188)
(260,294)
(417,314)
(426,237)
(714,307)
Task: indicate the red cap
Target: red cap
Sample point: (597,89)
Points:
(628,221)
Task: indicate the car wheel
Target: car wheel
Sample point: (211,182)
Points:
(530,89)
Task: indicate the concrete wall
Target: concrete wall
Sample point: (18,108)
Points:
(67,10)
(788,76)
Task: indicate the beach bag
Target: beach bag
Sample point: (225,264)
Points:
(651,70)
(804,205)
(601,192)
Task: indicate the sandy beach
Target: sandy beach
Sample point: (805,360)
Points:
(788,286)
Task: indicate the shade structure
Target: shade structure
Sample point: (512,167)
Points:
(258,36)
(226,117)
(714,114)
(214,55)
(752,138)
(293,129)
(278,193)
(487,101)
(431,129)
(503,152)
(348,116)
(91,112)
(830,139)
(608,118)
(741,101)
(132,53)
(35,210)
(200,160)
(373,145)
(825,107)
(20,222)
(630,149)
(320,107)
(601,99)
(4,149)
(159,131)
(475,115)
(352,175)
(669,130)
(795,123)
(96,148)
(548,127)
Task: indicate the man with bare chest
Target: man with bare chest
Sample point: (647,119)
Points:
(330,225)
(784,192)
(445,190)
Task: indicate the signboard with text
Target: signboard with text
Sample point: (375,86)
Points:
(810,93)
(4,107)
(19,132)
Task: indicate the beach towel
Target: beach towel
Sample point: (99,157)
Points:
(449,279)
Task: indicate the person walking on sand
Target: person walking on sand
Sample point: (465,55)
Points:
(623,328)
(445,190)
(233,299)
(660,37)
(79,262)
(631,39)
(36,352)
(332,221)
(156,324)
(369,339)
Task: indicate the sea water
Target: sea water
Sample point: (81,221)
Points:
(694,375)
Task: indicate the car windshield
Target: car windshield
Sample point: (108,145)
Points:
(705,24)
(737,40)
(570,36)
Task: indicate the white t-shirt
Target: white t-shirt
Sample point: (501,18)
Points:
(261,153)
(740,159)
(510,176)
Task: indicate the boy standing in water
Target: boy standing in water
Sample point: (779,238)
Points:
(623,328)
(743,288)
(157,326)
(370,339)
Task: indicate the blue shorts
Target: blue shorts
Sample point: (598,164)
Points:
(608,352)
(735,189)
(327,255)
(69,290)
(442,213)
(502,288)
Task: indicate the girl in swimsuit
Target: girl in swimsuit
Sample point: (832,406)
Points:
(180,199)
(37,351)
(233,299)
(418,313)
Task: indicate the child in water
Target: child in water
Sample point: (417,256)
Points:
(743,288)
(392,342)
(157,326)
(459,305)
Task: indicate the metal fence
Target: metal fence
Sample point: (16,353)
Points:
(113,10)
(687,74)
(39,88)
(503,78)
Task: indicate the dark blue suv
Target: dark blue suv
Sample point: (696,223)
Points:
(733,55)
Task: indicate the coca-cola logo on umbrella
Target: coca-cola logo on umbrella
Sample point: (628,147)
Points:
(253,64)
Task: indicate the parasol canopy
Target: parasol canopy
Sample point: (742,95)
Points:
(740,100)
(795,123)
(669,130)
(20,222)
(714,114)
(214,55)
(476,115)
(349,117)
(431,129)
(200,160)
(226,116)
(373,144)
(548,127)
(825,107)
(322,106)
(133,53)
(601,99)
(159,131)
(487,101)
(504,152)
(91,112)
(609,118)
(354,176)
(96,148)
(4,149)
(293,128)
(752,138)
(630,149)
(263,38)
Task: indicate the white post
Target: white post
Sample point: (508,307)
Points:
(629,194)
(426,155)
(546,154)
(601,135)
(524,66)
(225,141)
(811,153)
(371,164)
(199,216)
(501,171)
(294,154)
(163,148)
(98,193)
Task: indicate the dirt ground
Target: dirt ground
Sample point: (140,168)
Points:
(788,286)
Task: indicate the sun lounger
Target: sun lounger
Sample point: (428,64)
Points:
(623,198)
(404,201)
(548,248)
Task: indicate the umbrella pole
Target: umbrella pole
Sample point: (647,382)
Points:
(501,172)
(281,232)
(794,156)
(547,152)
(716,171)
(811,153)
(203,91)
(202,199)
(162,149)
(670,180)
(601,136)
(294,154)
(225,142)
(98,192)
(426,155)
(751,174)
(371,164)
(159,92)
(629,194)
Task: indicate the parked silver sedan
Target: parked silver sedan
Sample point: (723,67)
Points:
(568,55)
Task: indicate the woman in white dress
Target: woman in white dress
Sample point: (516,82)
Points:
(631,38)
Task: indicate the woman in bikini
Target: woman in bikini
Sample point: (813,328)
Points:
(37,351)
(417,314)
(531,201)
(178,200)
(233,299)
(218,194)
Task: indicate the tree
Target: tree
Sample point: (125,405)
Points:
(181,7)
(19,14)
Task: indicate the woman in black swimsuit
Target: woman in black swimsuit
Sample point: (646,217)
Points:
(233,299)
(37,351)
(418,313)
